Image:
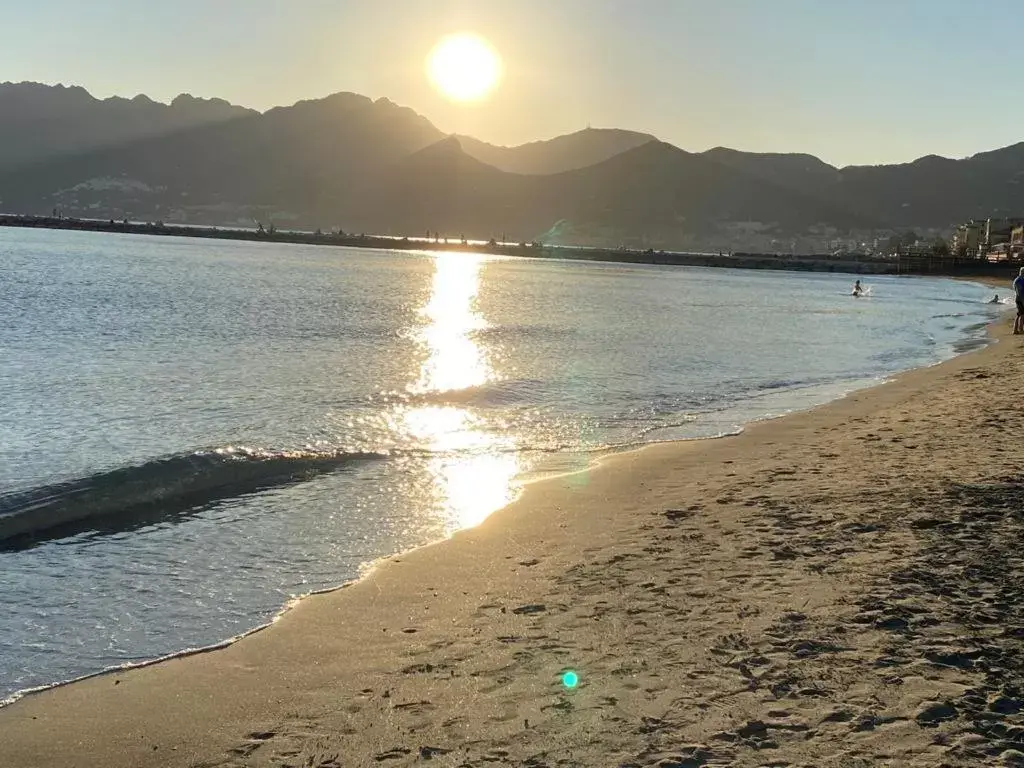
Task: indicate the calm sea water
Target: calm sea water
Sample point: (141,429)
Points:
(258,421)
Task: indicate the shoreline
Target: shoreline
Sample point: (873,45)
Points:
(99,724)
(596,456)
(920,266)
(538,475)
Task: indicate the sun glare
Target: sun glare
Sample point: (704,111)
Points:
(464,67)
(474,467)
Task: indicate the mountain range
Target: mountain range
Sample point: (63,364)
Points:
(39,121)
(349,162)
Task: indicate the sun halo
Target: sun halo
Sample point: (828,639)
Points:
(464,67)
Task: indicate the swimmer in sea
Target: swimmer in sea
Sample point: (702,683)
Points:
(995,300)
(857,290)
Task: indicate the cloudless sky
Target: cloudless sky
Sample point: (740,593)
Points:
(852,81)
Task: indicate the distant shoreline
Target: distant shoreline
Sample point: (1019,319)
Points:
(773,261)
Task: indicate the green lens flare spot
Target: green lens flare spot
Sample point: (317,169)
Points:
(570,679)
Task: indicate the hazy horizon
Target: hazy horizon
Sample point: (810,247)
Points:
(864,85)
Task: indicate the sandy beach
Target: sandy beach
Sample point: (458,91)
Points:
(839,587)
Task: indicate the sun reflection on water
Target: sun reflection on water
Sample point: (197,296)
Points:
(475,468)
(454,358)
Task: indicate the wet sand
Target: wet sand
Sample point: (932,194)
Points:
(840,587)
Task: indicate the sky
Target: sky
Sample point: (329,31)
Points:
(851,81)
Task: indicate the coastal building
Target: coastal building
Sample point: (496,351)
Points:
(998,231)
(996,245)
(1014,250)
(967,241)
(986,238)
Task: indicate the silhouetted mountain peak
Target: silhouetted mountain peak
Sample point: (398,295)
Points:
(794,159)
(446,154)
(932,160)
(345,104)
(29,94)
(449,144)
(31,85)
(188,100)
(1014,153)
(336,102)
(650,154)
(562,153)
(39,121)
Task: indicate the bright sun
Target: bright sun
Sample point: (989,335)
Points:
(464,67)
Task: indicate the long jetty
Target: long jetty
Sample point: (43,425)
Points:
(900,264)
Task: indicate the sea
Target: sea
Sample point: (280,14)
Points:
(193,432)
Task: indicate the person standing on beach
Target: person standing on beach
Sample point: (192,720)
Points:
(1018,292)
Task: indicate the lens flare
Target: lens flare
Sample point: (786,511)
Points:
(570,679)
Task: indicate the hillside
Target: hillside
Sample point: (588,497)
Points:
(39,122)
(562,153)
(670,195)
(363,165)
(307,162)
(929,193)
(654,194)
